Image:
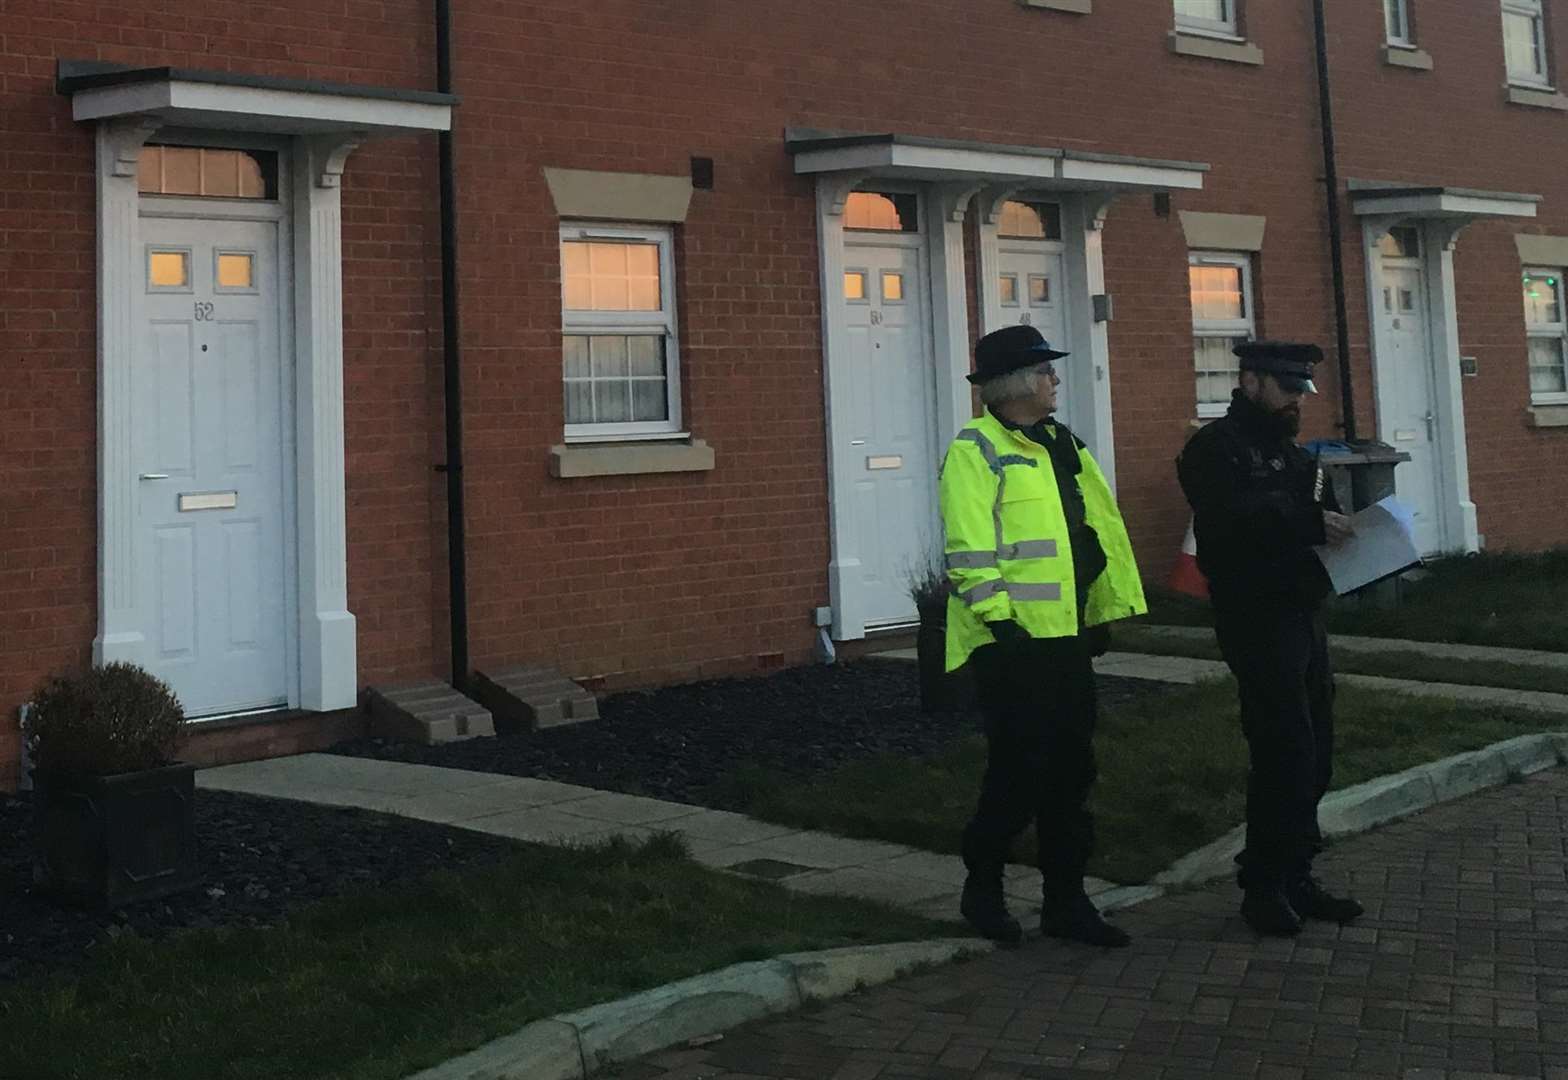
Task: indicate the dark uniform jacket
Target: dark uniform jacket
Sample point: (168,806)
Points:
(1258,502)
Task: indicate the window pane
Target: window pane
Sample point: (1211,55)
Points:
(1216,293)
(1521,40)
(168,269)
(1394,19)
(1216,367)
(1204,10)
(612,401)
(882,211)
(149,170)
(579,402)
(1039,289)
(599,275)
(1030,221)
(181,171)
(220,173)
(1400,242)
(576,350)
(854,285)
(892,287)
(609,357)
(1547,375)
(645,355)
(649,400)
(234,271)
(1541,305)
(1007,287)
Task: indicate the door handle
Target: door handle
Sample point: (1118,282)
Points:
(155,476)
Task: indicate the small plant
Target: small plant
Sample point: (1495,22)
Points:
(929,588)
(110,719)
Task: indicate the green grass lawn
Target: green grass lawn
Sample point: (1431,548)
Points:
(1518,601)
(1172,774)
(1390,663)
(376,987)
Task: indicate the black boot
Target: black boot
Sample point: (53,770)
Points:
(1069,913)
(1267,911)
(985,909)
(1312,901)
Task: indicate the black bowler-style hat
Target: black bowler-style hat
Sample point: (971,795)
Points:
(1290,362)
(1004,351)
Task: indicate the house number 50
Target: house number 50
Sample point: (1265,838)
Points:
(203,312)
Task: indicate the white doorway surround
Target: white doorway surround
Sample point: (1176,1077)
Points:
(951,176)
(312,127)
(1409,234)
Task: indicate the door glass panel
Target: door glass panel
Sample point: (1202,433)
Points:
(878,211)
(207,171)
(1030,221)
(1407,301)
(892,287)
(1007,288)
(1388,300)
(236,270)
(169,269)
(1039,289)
(1400,242)
(854,285)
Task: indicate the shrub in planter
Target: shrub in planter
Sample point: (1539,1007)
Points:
(112,809)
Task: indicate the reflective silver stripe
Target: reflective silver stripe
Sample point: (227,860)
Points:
(1029,549)
(1017,459)
(987,451)
(1051,590)
(983,591)
(970,560)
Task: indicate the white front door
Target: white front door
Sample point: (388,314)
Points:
(209,384)
(886,435)
(1029,289)
(1409,402)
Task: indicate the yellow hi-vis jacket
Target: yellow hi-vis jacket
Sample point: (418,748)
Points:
(1007,550)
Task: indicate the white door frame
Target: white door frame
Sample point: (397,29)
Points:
(1456,514)
(324,673)
(945,207)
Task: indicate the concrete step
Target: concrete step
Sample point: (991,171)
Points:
(526,698)
(426,712)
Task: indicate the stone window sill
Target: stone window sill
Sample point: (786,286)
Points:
(1077,7)
(1407,56)
(630,458)
(1232,50)
(1548,416)
(1537,97)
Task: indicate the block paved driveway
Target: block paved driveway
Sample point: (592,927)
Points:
(1458,971)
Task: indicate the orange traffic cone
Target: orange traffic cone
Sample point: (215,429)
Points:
(1185,577)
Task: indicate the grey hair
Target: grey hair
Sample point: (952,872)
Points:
(1014,386)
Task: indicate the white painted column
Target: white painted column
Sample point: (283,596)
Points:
(1459,528)
(948,205)
(121,634)
(1083,218)
(328,645)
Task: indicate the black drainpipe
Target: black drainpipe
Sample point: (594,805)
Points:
(456,545)
(1335,246)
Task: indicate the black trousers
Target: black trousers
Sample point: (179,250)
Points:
(1038,701)
(1280,659)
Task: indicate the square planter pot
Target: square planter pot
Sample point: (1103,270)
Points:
(106,841)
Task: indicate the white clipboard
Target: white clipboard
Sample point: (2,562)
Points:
(1384,545)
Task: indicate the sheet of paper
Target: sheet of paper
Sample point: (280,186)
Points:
(1384,544)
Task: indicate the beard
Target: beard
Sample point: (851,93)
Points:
(1289,419)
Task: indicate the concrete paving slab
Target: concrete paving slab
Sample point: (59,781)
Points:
(927,865)
(722,858)
(456,807)
(730,828)
(867,884)
(627,809)
(1171,669)
(825,851)
(1360,644)
(1534,700)
(547,825)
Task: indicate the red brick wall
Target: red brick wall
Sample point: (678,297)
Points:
(659,577)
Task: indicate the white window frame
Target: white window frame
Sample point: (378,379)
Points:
(1228,26)
(592,323)
(1557,331)
(1228,328)
(1396,22)
(1535,11)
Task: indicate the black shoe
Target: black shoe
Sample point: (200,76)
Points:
(1268,912)
(1077,919)
(983,907)
(1312,901)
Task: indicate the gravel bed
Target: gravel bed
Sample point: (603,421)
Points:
(674,743)
(260,859)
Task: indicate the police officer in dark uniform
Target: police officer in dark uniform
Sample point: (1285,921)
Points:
(1260,506)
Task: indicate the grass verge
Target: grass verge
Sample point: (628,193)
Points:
(1516,601)
(1390,663)
(1172,774)
(378,986)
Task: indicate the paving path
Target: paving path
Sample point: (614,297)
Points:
(1459,971)
(544,811)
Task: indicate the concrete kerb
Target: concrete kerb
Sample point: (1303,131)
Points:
(575,1045)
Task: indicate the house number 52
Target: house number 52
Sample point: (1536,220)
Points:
(203,312)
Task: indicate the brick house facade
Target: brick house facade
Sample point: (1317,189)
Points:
(1154,132)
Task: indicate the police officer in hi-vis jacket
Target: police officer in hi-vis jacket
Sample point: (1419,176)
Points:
(1259,507)
(1039,562)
